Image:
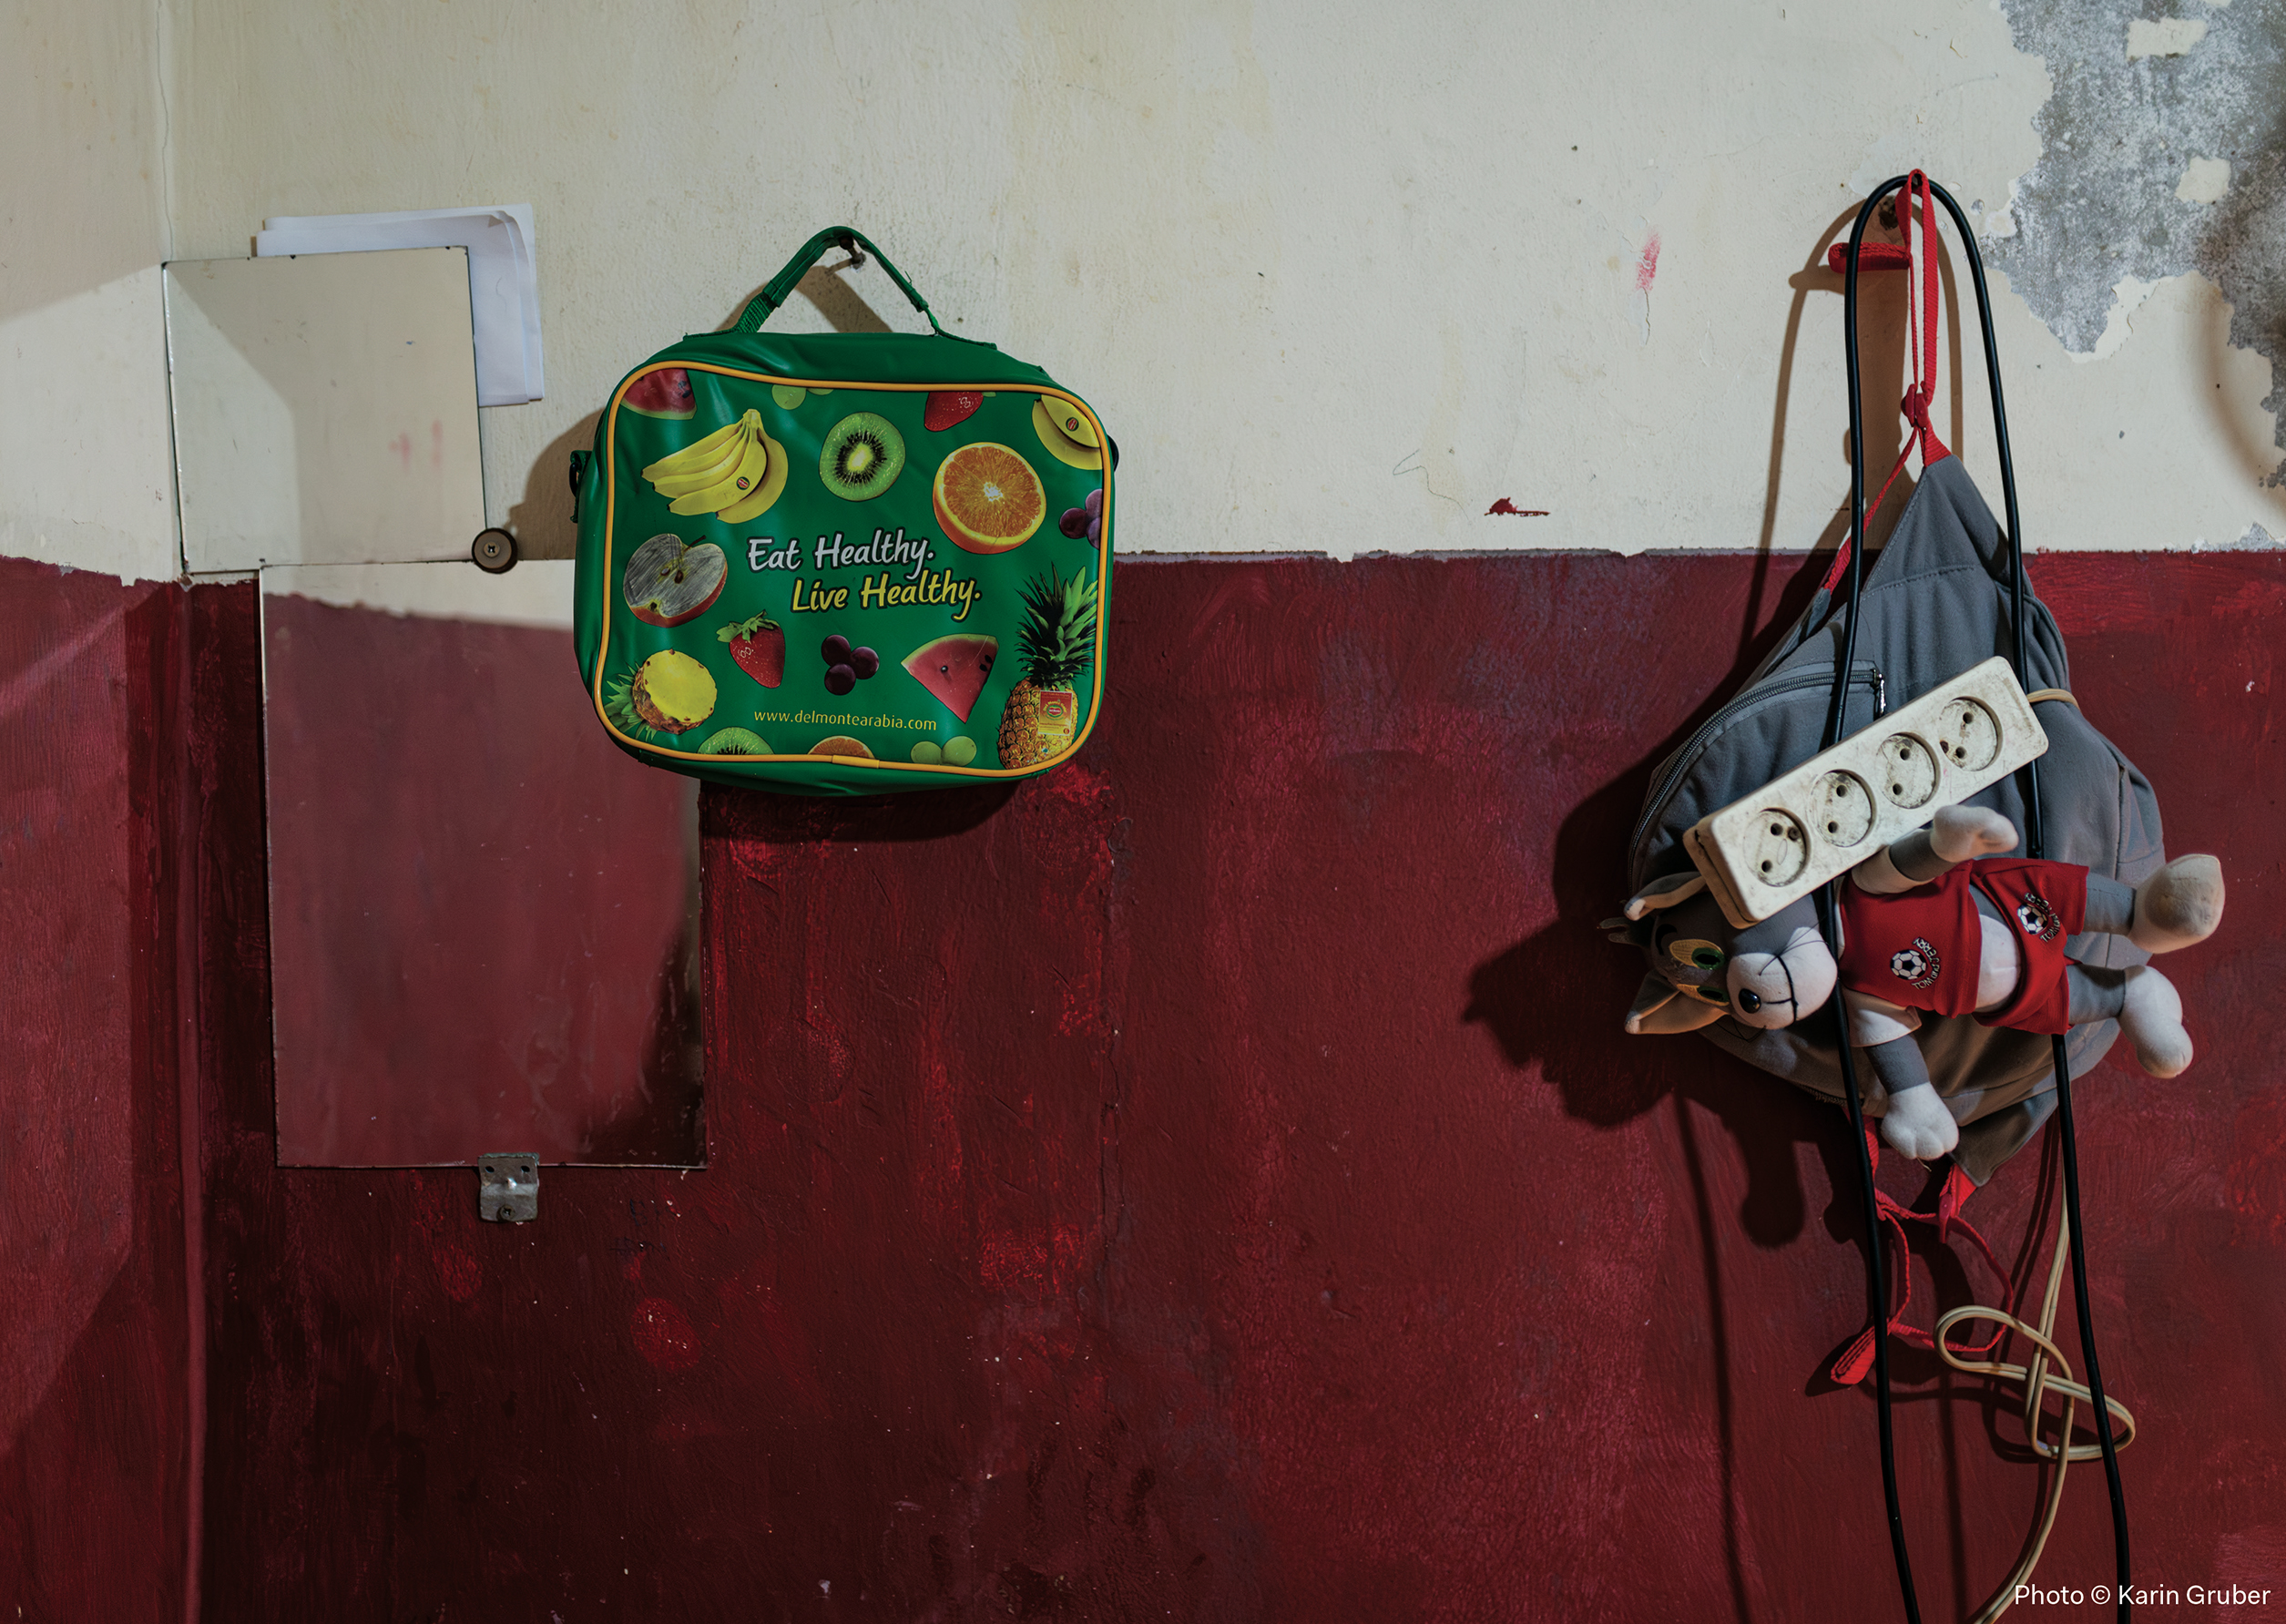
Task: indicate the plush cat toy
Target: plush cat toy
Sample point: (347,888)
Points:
(1932,925)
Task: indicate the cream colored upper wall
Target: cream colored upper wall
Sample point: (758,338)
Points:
(1339,276)
(86,471)
(80,121)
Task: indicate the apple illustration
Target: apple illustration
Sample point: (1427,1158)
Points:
(669,583)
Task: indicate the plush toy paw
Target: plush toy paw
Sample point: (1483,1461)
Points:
(2178,906)
(1918,1125)
(2153,1021)
(1958,833)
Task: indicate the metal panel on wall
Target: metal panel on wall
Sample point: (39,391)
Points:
(325,408)
(482,915)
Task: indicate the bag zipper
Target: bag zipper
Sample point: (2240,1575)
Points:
(1866,673)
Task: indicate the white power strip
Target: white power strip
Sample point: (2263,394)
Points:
(1843,805)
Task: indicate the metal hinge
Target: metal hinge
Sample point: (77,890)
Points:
(508,1187)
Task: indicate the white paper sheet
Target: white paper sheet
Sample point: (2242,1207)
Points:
(503,284)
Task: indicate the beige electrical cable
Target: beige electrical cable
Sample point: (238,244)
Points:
(2037,1380)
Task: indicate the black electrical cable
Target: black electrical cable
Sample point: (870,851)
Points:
(2034,846)
(1829,923)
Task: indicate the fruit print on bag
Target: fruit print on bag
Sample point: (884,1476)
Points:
(758,645)
(1057,642)
(928,528)
(663,394)
(954,670)
(987,498)
(668,693)
(1067,434)
(735,741)
(668,582)
(845,667)
(863,457)
(950,407)
(736,472)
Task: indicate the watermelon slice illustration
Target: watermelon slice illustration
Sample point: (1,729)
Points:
(954,668)
(662,394)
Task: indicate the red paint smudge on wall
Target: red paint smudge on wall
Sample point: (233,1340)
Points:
(663,1336)
(1010,1262)
(460,1274)
(2257,1139)
(1505,506)
(1647,264)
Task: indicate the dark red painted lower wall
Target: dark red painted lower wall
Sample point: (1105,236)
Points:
(1209,1182)
(95,1321)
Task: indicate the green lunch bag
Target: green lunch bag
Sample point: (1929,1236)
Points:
(841,564)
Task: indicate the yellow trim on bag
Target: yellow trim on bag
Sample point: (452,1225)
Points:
(610,512)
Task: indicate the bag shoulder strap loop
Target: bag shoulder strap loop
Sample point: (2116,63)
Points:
(1922,305)
(850,241)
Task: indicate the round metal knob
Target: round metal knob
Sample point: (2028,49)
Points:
(494,550)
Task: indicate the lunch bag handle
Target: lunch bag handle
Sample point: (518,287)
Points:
(849,241)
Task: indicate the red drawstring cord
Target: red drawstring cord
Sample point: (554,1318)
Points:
(1857,1359)
(1921,341)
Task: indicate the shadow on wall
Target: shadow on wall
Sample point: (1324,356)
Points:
(631,1135)
(837,301)
(542,523)
(2251,215)
(1509,995)
(804,820)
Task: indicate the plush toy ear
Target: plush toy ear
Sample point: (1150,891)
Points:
(1665,892)
(1659,1009)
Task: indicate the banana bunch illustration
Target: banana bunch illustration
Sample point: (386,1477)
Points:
(735,472)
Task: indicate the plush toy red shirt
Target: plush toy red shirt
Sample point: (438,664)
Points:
(1922,947)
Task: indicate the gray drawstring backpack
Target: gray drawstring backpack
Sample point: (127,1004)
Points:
(1935,602)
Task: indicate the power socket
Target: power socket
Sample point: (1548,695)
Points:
(1843,805)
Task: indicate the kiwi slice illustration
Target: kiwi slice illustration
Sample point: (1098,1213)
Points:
(735,741)
(862,456)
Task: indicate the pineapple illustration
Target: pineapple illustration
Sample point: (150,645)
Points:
(668,693)
(1055,644)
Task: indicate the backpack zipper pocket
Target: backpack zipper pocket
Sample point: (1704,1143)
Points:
(1864,674)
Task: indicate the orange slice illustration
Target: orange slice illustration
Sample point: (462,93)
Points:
(987,498)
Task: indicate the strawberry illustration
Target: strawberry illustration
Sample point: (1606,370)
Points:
(949,406)
(759,646)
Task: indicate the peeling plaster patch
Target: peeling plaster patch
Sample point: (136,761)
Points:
(2102,204)
(2169,36)
(2205,180)
(2256,540)
(2130,292)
